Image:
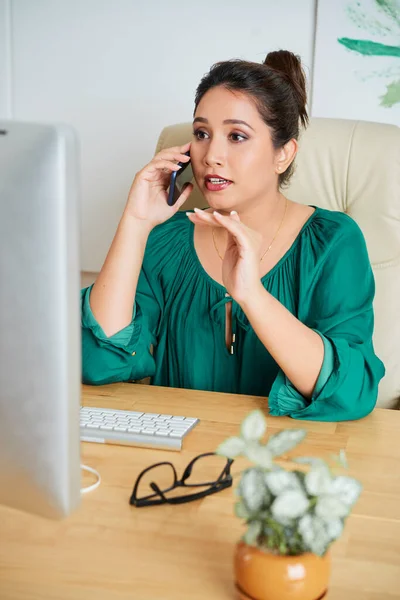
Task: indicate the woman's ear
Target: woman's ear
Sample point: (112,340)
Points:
(285,156)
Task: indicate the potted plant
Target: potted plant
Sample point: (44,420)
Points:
(292,514)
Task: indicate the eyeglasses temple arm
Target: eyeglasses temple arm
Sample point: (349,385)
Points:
(157,490)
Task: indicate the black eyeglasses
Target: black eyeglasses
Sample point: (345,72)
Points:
(209,471)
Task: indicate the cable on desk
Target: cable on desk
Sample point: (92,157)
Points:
(90,488)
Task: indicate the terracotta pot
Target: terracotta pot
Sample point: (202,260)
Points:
(266,576)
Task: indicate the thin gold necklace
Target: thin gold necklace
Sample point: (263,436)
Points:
(272,241)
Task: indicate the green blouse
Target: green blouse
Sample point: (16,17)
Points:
(324,279)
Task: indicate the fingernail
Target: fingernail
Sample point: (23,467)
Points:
(233,212)
(217,213)
(188,214)
(197,210)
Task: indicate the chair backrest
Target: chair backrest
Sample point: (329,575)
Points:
(354,167)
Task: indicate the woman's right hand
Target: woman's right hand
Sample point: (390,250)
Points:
(147,200)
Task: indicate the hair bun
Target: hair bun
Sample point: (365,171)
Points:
(289,65)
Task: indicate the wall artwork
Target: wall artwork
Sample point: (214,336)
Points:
(357,60)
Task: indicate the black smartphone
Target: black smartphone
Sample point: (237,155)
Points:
(171,201)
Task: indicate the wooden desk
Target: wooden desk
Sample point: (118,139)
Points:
(110,551)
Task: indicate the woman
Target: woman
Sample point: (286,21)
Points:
(255,294)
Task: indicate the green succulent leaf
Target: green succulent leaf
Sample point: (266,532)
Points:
(253,531)
(231,447)
(279,481)
(241,511)
(253,490)
(291,504)
(254,426)
(340,459)
(334,529)
(318,480)
(346,489)
(285,440)
(330,508)
(315,534)
(259,455)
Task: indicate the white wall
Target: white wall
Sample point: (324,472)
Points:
(5,59)
(119,71)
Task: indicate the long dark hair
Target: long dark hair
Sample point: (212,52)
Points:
(278,86)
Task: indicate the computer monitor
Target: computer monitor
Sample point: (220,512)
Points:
(40,364)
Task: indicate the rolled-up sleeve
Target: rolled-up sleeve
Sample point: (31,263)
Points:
(126,355)
(341,311)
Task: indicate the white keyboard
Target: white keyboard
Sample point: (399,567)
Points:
(108,426)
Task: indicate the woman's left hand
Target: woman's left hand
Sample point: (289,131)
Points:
(241,263)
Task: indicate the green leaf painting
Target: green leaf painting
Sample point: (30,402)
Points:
(382,21)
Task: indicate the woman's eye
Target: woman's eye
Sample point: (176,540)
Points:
(238,137)
(235,137)
(199,134)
